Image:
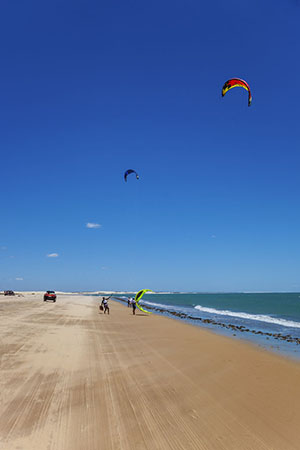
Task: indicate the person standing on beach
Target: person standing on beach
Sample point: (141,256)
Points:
(129,301)
(133,304)
(104,303)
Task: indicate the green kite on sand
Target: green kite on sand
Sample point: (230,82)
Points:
(138,297)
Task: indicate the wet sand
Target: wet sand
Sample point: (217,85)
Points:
(72,378)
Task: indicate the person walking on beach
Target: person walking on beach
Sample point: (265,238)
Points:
(133,304)
(104,304)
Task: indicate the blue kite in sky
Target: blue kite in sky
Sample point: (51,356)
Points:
(128,172)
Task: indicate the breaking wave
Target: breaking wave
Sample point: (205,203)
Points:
(256,317)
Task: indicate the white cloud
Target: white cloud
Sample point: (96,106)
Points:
(93,225)
(52,255)
(19,278)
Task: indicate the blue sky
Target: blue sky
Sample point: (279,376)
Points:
(92,88)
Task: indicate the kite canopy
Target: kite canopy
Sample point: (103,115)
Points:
(237,82)
(138,297)
(128,172)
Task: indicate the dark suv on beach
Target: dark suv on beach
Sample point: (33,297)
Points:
(9,293)
(50,295)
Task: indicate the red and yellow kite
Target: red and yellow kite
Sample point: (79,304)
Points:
(237,82)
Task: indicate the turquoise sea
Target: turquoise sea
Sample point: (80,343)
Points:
(272,320)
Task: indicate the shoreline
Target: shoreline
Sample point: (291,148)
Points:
(278,343)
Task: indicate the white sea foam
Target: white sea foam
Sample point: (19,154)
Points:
(257,317)
(155,304)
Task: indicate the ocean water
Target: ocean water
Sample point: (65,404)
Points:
(271,320)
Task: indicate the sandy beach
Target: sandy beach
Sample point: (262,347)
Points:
(73,378)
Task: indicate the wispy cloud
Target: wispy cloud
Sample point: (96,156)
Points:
(93,225)
(19,278)
(52,255)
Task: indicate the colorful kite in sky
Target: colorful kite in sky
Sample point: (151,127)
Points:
(128,172)
(237,82)
(138,297)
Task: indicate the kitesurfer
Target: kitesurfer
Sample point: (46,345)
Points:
(133,304)
(104,304)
